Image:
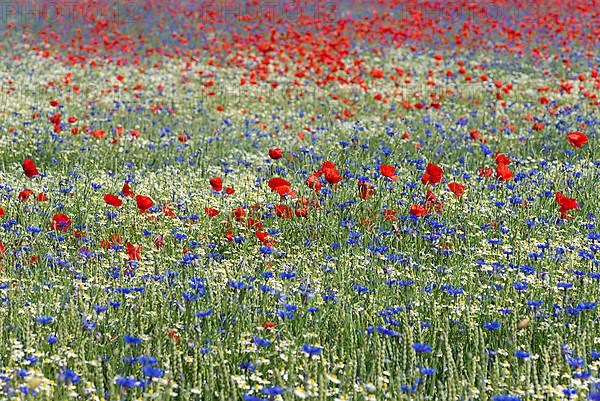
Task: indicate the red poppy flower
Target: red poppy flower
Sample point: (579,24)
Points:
(503,172)
(418,210)
(268,326)
(116,238)
(134,251)
(98,134)
(285,191)
(143,202)
(229,191)
(216,183)
(275,153)
(238,213)
(113,200)
(254,224)
(281,186)
(433,174)
(302,212)
(457,188)
(25,194)
(55,119)
(1,212)
(377,73)
(210,212)
(29,168)
(388,171)
(390,214)
(313,182)
(501,159)
(365,190)
(42,197)
(2,248)
(60,222)
(565,204)
(159,241)
(485,172)
(283,211)
(577,139)
(168,211)
(127,191)
(174,335)
(332,175)
(431,202)
(265,238)
(278,182)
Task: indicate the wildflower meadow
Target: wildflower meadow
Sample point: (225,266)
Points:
(299,200)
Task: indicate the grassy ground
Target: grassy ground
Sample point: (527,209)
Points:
(491,293)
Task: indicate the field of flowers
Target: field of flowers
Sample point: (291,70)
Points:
(301,200)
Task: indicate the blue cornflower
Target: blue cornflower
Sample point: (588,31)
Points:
(266,250)
(151,371)
(261,342)
(387,332)
(491,325)
(564,286)
(248,366)
(421,348)
(147,360)
(250,397)
(427,371)
(100,308)
(205,314)
(189,297)
(575,362)
(132,340)
(272,391)
(44,319)
(31,359)
(288,275)
(506,397)
(127,381)
(68,376)
(33,230)
(520,286)
(311,350)
(584,374)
